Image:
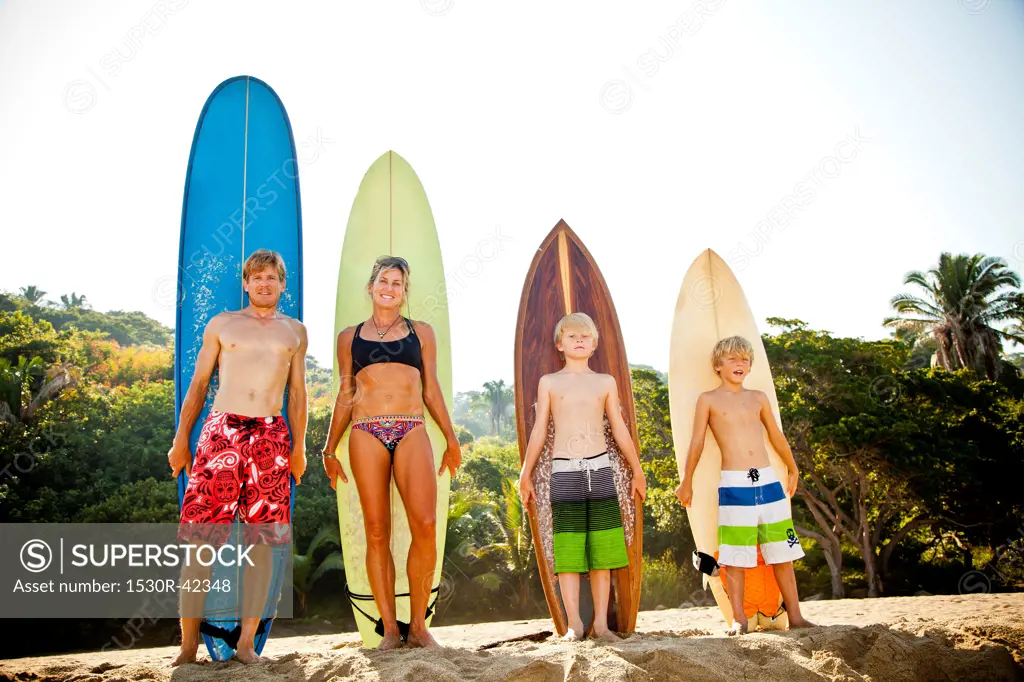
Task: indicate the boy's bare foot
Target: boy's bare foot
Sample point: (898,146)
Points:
(800,623)
(185,656)
(390,641)
(421,640)
(249,655)
(607,636)
(571,636)
(737,628)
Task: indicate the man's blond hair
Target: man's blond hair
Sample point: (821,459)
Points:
(733,344)
(576,321)
(261,259)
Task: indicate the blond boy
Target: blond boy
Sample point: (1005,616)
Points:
(586,518)
(753,507)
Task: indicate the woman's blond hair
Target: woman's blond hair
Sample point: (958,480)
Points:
(576,321)
(733,344)
(261,259)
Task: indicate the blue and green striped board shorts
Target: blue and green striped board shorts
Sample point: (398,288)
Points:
(753,511)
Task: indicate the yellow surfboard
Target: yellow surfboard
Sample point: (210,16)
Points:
(712,306)
(391,216)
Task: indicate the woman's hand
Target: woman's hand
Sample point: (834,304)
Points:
(452,458)
(334,471)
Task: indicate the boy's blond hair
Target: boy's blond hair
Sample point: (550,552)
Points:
(733,344)
(576,321)
(261,259)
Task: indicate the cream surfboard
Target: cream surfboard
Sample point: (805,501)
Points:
(391,216)
(712,306)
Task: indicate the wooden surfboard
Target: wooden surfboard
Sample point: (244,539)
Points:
(563,278)
(712,306)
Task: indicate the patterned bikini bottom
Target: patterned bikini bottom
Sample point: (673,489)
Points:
(388,429)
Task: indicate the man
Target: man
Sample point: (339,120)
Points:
(245,453)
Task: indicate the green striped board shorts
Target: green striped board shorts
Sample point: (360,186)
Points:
(586,519)
(753,512)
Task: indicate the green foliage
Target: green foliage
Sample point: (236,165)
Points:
(309,567)
(889,454)
(464,435)
(666,582)
(127,328)
(145,501)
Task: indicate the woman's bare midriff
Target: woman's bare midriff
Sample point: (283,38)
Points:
(388,388)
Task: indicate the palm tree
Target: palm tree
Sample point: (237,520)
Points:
(32,293)
(965,297)
(305,570)
(495,400)
(16,386)
(514,549)
(73,301)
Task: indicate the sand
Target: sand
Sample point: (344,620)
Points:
(977,637)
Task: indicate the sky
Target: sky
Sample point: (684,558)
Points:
(823,149)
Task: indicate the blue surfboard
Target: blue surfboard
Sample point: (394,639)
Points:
(241,194)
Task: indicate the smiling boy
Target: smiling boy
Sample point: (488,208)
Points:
(753,506)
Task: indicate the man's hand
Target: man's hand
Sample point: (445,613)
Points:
(684,493)
(180,457)
(792,483)
(526,490)
(298,460)
(334,471)
(639,486)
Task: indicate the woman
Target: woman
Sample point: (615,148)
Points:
(388,366)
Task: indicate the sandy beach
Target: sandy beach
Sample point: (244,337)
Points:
(977,637)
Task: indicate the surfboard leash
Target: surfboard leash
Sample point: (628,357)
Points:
(403,628)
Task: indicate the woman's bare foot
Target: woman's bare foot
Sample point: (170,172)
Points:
(391,640)
(186,655)
(800,623)
(607,636)
(249,655)
(737,628)
(421,639)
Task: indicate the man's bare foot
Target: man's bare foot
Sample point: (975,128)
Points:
(737,628)
(390,641)
(571,636)
(421,640)
(800,623)
(249,655)
(186,655)
(607,636)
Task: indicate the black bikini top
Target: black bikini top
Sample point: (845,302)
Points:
(405,350)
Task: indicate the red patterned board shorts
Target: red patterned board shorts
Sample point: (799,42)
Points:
(241,468)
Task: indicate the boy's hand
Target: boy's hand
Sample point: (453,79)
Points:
(526,490)
(639,486)
(684,493)
(794,480)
